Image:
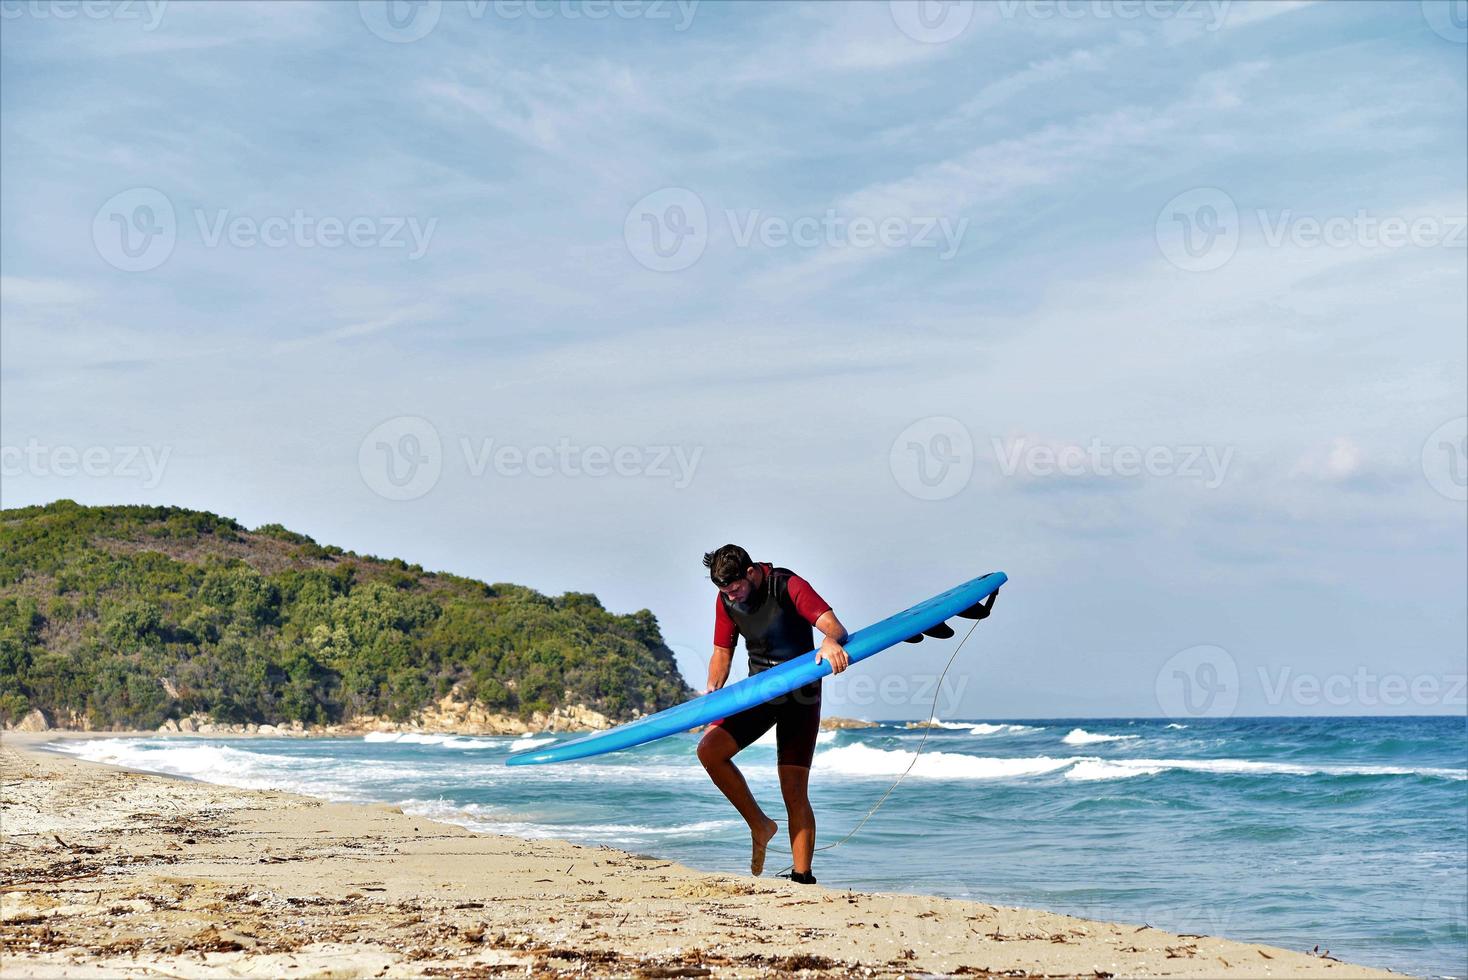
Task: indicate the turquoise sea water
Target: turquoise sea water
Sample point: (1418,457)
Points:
(1347,833)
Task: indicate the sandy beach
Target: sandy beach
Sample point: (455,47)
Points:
(109,872)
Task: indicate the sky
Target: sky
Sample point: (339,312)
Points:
(1161,308)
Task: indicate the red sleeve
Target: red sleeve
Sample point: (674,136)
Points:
(725,632)
(807,601)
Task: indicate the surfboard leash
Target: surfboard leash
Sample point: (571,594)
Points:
(927,730)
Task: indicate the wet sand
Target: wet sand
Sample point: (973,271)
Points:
(112,873)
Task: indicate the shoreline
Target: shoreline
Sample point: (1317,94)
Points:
(118,872)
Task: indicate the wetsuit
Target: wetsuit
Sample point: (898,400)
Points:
(778,624)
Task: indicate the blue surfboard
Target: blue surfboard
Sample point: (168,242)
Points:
(926,617)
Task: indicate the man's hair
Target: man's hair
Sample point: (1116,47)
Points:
(726,564)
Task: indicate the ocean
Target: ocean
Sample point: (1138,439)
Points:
(1347,833)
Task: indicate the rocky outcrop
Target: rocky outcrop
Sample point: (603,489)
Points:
(836,724)
(448,716)
(34,721)
(453,715)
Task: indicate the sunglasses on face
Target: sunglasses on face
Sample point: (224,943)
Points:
(729,582)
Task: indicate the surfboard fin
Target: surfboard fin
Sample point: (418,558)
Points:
(914,639)
(942,631)
(980,609)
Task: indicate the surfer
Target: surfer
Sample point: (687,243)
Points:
(777,613)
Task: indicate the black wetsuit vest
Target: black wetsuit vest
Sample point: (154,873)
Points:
(774,631)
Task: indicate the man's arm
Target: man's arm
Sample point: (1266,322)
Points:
(831,649)
(719,668)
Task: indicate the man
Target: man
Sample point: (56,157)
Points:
(774,610)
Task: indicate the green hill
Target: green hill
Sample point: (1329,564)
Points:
(128,616)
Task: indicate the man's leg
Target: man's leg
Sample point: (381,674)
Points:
(716,750)
(796,733)
(794,782)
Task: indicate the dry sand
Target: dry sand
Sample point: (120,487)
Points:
(113,873)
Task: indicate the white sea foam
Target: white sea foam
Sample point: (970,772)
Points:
(201,760)
(863,760)
(1079,736)
(1095,769)
(406,738)
(526,742)
(444,741)
(1092,770)
(1177,726)
(490,819)
(987,729)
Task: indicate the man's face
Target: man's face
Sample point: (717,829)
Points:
(738,591)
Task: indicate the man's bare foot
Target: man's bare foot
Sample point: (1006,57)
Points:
(759,839)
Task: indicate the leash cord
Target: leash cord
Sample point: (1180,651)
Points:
(927,730)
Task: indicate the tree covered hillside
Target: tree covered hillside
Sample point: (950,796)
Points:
(128,616)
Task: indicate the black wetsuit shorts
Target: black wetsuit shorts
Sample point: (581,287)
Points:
(796,718)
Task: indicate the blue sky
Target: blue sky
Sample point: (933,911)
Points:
(1162,309)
